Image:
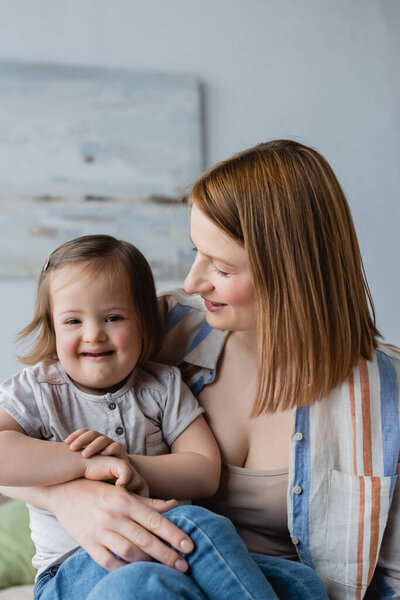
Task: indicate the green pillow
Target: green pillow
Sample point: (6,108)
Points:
(16,546)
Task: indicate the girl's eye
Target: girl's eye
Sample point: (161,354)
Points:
(112,318)
(72,321)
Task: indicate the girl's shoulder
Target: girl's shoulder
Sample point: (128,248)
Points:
(44,372)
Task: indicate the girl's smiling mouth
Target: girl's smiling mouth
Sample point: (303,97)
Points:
(95,355)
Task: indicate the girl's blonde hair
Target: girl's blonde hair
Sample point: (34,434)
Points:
(315,315)
(121,262)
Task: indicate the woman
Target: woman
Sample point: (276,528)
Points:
(282,352)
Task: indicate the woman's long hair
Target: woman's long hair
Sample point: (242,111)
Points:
(315,315)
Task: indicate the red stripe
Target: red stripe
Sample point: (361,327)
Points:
(366,417)
(375,510)
(360,544)
(391,347)
(353,420)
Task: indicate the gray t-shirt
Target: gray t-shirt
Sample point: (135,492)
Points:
(146,416)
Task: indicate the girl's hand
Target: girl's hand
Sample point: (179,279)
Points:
(94,442)
(107,521)
(110,468)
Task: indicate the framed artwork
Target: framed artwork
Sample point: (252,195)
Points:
(87,150)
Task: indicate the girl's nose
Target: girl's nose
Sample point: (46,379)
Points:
(94,333)
(197,281)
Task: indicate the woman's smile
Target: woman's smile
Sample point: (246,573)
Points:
(221,275)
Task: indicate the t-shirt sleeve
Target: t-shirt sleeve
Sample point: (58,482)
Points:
(180,407)
(20,396)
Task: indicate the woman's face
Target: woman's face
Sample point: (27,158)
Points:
(221,275)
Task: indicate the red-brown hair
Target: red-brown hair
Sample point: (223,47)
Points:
(315,315)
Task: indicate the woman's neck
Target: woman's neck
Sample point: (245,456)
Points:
(247,341)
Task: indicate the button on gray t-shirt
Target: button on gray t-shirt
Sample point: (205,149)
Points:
(146,416)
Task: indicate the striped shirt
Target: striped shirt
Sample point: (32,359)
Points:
(343,502)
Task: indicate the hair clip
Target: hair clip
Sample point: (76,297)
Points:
(46,264)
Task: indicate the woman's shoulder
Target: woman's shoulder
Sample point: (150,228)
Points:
(389,350)
(188,336)
(183,315)
(169,299)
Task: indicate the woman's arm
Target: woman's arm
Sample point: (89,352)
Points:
(192,470)
(107,521)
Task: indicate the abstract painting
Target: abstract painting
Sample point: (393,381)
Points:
(87,150)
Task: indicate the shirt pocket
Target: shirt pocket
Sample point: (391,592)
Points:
(357,512)
(155,444)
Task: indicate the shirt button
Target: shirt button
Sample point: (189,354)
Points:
(112,406)
(295,540)
(297,489)
(298,436)
(119,430)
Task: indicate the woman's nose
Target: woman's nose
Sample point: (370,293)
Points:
(197,281)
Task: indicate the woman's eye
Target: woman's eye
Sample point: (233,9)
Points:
(219,272)
(112,318)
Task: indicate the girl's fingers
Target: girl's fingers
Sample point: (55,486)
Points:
(114,449)
(143,489)
(123,473)
(84,439)
(134,483)
(96,446)
(74,435)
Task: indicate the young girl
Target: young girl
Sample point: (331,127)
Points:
(97,324)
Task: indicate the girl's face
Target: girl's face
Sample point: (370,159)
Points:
(98,339)
(221,275)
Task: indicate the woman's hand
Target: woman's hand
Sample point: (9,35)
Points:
(107,521)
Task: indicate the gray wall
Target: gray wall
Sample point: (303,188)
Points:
(324,72)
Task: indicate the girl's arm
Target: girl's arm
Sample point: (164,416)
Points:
(31,462)
(192,470)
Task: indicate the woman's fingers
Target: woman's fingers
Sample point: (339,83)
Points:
(115,551)
(90,511)
(142,513)
(159,505)
(105,558)
(134,538)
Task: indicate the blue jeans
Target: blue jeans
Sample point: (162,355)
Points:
(220,569)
